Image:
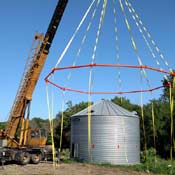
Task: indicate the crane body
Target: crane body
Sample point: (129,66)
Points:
(19,142)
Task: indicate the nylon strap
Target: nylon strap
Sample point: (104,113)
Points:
(74,34)
(51,125)
(90,77)
(84,38)
(117,48)
(171,91)
(134,43)
(128,4)
(62,120)
(154,130)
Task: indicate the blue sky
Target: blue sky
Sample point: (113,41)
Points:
(21,19)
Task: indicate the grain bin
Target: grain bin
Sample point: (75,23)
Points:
(115,134)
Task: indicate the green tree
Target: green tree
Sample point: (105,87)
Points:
(162,126)
(162,120)
(38,122)
(2,125)
(125,103)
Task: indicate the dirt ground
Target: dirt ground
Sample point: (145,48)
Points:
(46,168)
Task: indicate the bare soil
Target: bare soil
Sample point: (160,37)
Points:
(46,168)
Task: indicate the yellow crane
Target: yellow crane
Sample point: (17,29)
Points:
(18,142)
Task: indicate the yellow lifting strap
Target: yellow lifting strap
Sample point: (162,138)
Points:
(89,130)
(154,131)
(51,124)
(143,119)
(103,11)
(62,123)
(171,95)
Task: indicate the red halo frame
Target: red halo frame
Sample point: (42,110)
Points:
(107,65)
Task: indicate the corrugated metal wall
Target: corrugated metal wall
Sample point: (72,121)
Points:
(115,139)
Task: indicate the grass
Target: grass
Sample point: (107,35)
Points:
(161,166)
(151,163)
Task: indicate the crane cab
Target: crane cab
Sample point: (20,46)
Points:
(36,138)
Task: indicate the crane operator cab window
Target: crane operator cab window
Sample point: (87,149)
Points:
(35,134)
(38,133)
(43,133)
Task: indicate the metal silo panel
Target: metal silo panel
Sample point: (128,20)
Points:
(115,139)
(103,138)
